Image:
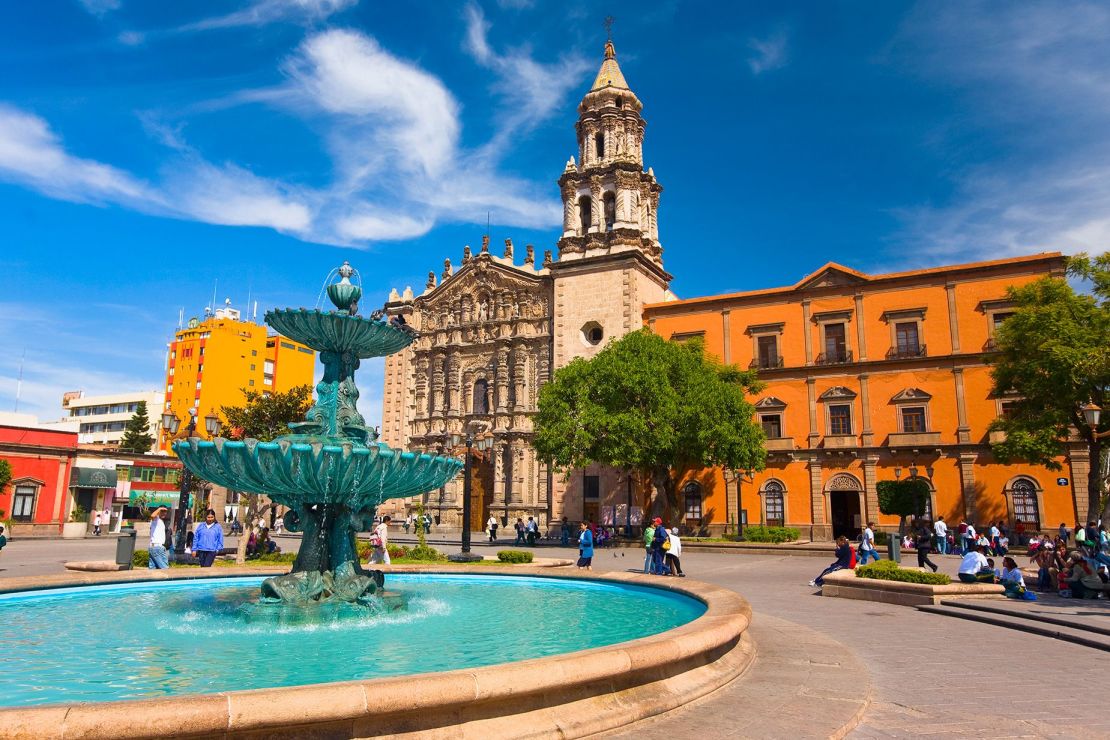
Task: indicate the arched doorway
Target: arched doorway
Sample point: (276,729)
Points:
(843,493)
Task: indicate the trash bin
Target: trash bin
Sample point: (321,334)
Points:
(125,547)
(894,547)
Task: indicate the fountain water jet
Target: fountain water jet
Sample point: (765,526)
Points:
(331,472)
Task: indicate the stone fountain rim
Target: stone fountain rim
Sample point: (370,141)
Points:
(569,694)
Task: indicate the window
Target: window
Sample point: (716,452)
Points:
(774,501)
(480,403)
(202,351)
(998,318)
(250,382)
(913,419)
(591,487)
(267,380)
(253,367)
(772,425)
(254,353)
(620,102)
(1025,503)
(268,367)
(23,502)
(171,372)
(906,339)
(585,215)
(200,368)
(609,201)
(768,348)
(123,472)
(692,494)
(840,419)
(592,333)
(599,144)
(836,348)
(287,345)
(1006,409)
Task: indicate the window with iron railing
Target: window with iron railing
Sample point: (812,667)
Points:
(838,358)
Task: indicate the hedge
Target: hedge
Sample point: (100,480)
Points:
(514,556)
(886,570)
(759,533)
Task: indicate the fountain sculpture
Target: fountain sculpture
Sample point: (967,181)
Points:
(330,471)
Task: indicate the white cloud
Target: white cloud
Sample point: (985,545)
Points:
(1034,80)
(768,53)
(100,7)
(263,12)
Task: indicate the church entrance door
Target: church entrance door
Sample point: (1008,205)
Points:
(844,507)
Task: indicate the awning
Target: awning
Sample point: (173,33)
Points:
(93,478)
(155,498)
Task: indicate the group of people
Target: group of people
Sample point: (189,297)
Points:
(1082,572)
(416,521)
(205,541)
(662,550)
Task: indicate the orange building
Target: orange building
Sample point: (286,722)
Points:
(869,378)
(212,361)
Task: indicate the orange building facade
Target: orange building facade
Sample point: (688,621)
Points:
(871,378)
(212,361)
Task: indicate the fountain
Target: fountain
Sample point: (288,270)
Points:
(331,472)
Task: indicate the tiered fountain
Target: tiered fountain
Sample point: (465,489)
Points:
(330,471)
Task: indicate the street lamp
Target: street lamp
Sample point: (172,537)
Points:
(482,442)
(171,423)
(1091,413)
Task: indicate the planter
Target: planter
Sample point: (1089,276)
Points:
(845,585)
(74,530)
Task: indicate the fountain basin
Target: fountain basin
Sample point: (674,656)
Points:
(651,673)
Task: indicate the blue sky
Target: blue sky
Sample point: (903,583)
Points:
(148,150)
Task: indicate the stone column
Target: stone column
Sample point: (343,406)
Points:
(520,360)
(969,485)
(468,392)
(453,407)
(570,207)
(865,410)
(811,391)
(499,451)
(437,385)
(516,470)
(597,207)
(963,430)
(816,496)
(1079,460)
(807,331)
(421,389)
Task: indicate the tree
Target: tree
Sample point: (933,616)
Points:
(5,479)
(263,417)
(902,498)
(654,407)
(136,435)
(1053,358)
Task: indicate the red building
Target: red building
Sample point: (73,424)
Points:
(37,501)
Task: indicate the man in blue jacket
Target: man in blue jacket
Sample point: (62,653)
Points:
(208,540)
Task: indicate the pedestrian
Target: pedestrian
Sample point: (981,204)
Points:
(158,557)
(971,539)
(867,544)
(659,536)
(3,538)
(379,540)
(585,547)
(996,534)
(407,523)
(427,524)
(843,560)
(925,546)
(941,530)
(491,527)
(1064,533)
(649,535)
(96,524)
(519,526)
(531,531)
(1012,580)
(208,540)
(674,554)
(564,538)
(974,568)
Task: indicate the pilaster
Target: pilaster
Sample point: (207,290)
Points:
(1079,461)
(807,331)
(963,431)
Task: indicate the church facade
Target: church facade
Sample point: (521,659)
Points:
(494,328)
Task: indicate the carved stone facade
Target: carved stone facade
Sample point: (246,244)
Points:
(493,331)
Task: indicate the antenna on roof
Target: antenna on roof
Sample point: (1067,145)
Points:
(487,224)
(212,305)
(180,317)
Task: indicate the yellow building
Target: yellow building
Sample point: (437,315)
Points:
(213,361)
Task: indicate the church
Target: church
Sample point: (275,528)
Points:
(495,327)
(869,377)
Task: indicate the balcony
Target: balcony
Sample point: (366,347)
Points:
(779,444)
(913,439)
(903,352)
(840,441)
(842,357)
(765,363)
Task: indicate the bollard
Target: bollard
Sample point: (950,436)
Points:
(894,547)
(125,547)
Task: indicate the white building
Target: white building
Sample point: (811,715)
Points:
(102,419)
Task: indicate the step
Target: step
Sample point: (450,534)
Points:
(1068,634)
(1028,613)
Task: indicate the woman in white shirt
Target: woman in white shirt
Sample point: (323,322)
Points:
(673,555)
(1011,579)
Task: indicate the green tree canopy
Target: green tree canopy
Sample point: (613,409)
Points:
(5,479)
(1054,357)
(654,407)
(136,435)
(264,417)
(902,498)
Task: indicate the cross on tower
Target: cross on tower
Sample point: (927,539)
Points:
(609,27)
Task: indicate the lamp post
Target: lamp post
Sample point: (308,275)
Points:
(171,423)
(1091,414)
(482,442)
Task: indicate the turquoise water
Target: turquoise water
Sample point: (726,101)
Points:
(144,640)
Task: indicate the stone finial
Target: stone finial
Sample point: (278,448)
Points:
(446,268)
(651,171)
(509,249)
(529,254)
(485,244)
(431,280)
(547,261)
(571,167)
(394,295)
(407,294)
(466,254)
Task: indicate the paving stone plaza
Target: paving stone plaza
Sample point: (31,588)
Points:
(827,667)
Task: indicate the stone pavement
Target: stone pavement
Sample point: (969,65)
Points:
(930,675)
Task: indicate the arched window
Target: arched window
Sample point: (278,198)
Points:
(585,214)
(691,492)
(599,144)
(609,200)
(620,102)
(1024,493)
(774,502)
(480,402)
